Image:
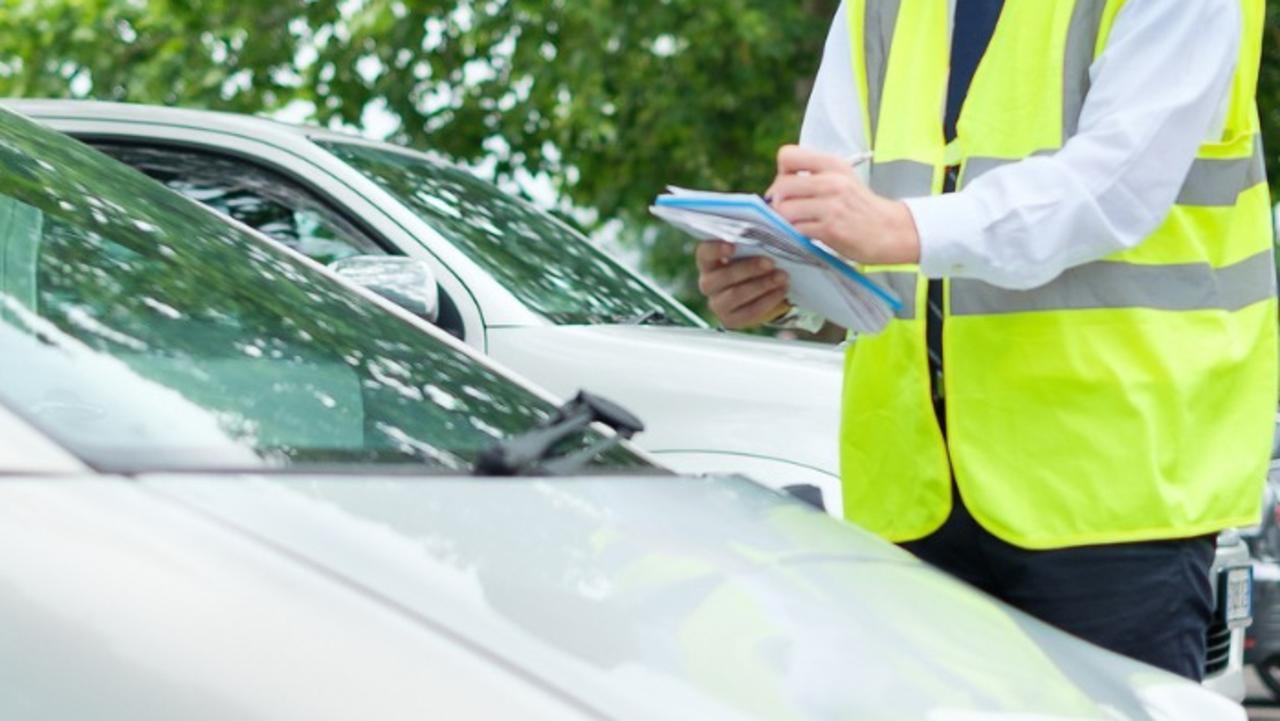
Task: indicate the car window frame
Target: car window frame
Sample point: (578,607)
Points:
(447,304)
(356,224)
(321,136)
(239,148)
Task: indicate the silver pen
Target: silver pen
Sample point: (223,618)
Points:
(853,161)
(859,158)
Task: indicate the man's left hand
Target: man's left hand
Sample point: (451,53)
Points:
(823,198)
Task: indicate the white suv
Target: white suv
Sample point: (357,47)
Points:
(514,282)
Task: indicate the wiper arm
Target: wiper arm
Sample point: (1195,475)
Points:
(525,454)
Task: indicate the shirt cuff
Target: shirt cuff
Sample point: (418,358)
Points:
(949,225)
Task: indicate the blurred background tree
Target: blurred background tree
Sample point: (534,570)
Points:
(605,101)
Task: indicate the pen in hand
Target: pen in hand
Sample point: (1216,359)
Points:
(853,161)
(858,159)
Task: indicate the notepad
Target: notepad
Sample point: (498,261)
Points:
(821,281)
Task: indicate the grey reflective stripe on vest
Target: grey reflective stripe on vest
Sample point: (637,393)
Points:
(1082,42)
(906,179)
(879,22)
(903,284)
(1107,284)
(1209,183)
(902,179)
(976,167)
(1219,183)
(881,19)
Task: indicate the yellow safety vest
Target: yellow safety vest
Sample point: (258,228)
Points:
(1129,399)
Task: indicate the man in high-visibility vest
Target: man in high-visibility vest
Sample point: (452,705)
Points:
(1070,198)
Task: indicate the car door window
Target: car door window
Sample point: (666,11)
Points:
(552,269)
(267,201)
(260,198)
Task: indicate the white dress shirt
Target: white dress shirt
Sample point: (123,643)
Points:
(1158,91)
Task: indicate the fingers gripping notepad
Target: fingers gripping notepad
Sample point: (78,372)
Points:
(821,281)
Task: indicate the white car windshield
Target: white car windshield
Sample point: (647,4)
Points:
(545,264)
(142,331)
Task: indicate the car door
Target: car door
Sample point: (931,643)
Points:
(273,202)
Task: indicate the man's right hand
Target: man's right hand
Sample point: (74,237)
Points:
(743,293)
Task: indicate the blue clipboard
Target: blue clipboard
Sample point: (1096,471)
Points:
(769,215)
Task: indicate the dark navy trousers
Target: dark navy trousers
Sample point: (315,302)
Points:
(1150,601)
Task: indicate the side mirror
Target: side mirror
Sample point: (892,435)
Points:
(407,282)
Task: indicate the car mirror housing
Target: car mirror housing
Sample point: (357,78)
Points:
(407,282)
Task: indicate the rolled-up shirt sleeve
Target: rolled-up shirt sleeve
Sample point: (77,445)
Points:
(1157,92)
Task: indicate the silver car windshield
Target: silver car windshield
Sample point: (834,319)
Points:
(143,332)
(546,265)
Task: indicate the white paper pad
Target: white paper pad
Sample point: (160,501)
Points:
(820,280)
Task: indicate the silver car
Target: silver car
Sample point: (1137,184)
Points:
(237,487)
(712,399)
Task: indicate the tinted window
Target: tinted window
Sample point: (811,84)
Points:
(549,267)
(142,331)
(268,202)
(259,198)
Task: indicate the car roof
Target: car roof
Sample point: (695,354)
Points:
(280,131)
(98,110)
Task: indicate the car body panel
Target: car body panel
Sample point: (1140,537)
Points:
(782,475)
(686,382)
(24,450)
(122,606)
(620,587)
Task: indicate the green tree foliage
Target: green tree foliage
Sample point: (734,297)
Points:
(1269,94)
(222,53)
(610,99)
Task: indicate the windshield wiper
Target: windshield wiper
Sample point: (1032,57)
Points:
(528,454)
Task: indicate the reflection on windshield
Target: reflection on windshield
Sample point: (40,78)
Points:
(99,263)
(261,199)
(546,265)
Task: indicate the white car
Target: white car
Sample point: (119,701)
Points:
(236,487)
(530,292)
(514,282)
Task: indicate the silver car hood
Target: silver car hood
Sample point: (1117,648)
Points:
(695,388)
(677,598)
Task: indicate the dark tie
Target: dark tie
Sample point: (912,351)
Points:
(975,23)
